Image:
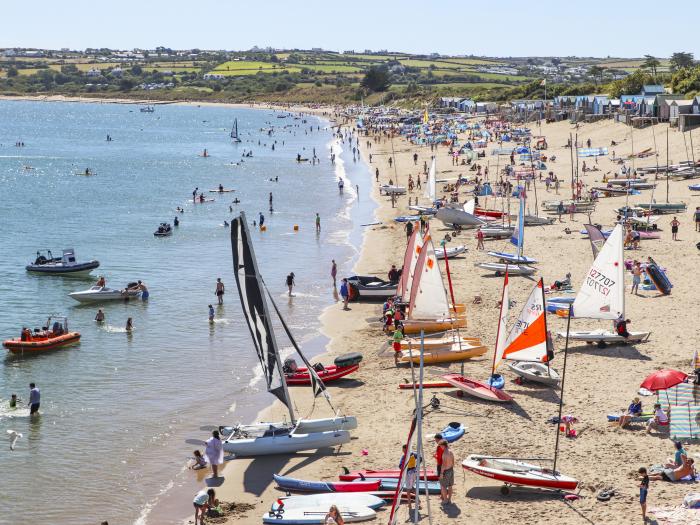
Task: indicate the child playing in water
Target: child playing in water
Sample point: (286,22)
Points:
(199,460)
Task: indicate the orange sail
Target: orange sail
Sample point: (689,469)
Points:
(527,340)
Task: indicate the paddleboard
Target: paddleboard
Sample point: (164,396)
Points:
(221,191)
(317,515)
(351,499)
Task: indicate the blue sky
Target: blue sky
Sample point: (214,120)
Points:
(491,28)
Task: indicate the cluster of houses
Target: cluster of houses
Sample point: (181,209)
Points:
(652,105)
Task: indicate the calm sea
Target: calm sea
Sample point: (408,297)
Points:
(117,408)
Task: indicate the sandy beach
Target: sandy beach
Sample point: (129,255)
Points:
(599,381)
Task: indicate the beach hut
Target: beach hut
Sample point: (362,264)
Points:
(600,105)
(696,105)
(467,105)
(679,107)
(651,90)
(663,104)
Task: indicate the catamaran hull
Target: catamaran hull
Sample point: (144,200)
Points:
(285,443)
(604,336)
(514,472)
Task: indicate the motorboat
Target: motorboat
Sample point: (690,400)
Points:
(518,472)
(97,294)
(47,264)
(54,334)
(368,286)
(451,252)
(537,372)
(343,365)
(164,230)
(147,109)
(513,269)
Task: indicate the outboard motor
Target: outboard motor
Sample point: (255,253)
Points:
(290,365)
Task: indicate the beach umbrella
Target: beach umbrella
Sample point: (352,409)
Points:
(663,379)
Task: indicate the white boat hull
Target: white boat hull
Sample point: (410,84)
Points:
(451,252)
(285,443)
(516,472)
(458,217)
(512,258)
(97,296)
(605,336)
(537,372)
(342,499)
(513,269)
(317,515)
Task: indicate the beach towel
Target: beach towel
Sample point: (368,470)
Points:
(676,515)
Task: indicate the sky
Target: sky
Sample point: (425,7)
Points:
(491,28)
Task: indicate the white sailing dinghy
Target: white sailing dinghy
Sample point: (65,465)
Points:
(526,345)
(428,309)
(602,295)
(517,240)
(264,439)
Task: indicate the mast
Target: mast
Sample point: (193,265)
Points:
(571,151)
(561,393)
(500,316)
(546,332)
(667,166)
(452,296)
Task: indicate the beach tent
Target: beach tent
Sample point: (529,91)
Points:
(681,394)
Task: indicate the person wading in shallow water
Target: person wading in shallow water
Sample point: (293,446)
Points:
(220,291)
(290,283)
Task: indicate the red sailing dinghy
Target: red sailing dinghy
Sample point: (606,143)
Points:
(344,365)
(516,472)
(488,390)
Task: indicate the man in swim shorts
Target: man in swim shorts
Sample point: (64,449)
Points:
(447,474)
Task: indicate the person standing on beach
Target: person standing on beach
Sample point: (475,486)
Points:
(345,293)
(203,501)
(636,277)
(34,399)
(480,239)
(674,228)
(318,223)
(376,174)
(643,491)
(447,473)
(220,289)
(438,453)
(409,230)
(696,216)
(215,452)
(334,271)
(290,283)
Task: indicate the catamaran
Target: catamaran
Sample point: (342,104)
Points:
(234,131)
(602,294)
(274,438)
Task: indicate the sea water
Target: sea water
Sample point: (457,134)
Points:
(117,408)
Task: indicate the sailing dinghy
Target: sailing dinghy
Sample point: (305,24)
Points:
(517,240)
(526,345)
(516,472)
(264,439)
(234,132)
(602,294)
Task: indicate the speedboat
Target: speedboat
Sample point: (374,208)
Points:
(372,287)
(46,263)
(96,294)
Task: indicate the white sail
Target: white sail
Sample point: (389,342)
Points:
(527,340)
(469,206)
(417,247)
(602,293)
(428,295)
(502,321)
(430,187)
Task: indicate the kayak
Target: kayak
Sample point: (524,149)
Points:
(301,376)
(452,432)
(383,474)
(299,485)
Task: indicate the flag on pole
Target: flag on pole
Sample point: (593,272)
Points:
(425,117)
(544,82)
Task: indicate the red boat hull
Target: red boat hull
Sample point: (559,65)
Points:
(429,384)
(514,479)
(387,474)
(488,213)
(330,373)
(39,343)
(477,388)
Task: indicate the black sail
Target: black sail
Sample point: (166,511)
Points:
(255,310)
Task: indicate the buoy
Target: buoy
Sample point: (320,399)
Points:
(296,227)
(263,228)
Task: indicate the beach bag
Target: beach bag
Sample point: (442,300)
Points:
(692,500)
